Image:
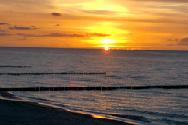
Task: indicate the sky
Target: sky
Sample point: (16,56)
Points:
(114,24)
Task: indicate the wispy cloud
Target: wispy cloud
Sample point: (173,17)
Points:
(95,16)
(56,14)
(3,23)
(4,33)
(64,35)
(26,5)
(99,12)
(23,28)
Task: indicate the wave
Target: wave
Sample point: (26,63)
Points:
(162,114)
(56,73)
(7,95)
(98,88)
(133,117)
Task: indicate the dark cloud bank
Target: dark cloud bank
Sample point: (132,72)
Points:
(23,28)
(184,41)
(2,23)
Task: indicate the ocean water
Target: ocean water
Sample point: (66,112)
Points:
(122,68)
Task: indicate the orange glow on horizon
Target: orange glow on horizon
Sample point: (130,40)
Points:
(107,41)
(106,24)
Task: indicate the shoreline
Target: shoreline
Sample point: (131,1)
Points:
(29,113)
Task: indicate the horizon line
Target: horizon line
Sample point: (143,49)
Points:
(86,48)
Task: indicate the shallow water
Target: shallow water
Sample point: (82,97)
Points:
(122,68)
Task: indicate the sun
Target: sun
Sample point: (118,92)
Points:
(107,43)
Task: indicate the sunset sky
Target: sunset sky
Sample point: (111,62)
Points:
(117,24)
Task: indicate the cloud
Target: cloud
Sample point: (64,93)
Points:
(98,34)
(2,23)
(23,28)
(68,35)
(99,12)
(56,14)
(183,41)
(173,40)
(26,5)
(4,33)
(137,19)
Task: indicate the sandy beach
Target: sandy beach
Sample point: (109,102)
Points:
(26,113)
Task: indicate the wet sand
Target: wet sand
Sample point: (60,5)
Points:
(27,113)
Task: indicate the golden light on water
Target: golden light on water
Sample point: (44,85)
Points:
(98,116)
(106,48)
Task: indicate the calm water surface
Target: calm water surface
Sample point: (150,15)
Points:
(123,68)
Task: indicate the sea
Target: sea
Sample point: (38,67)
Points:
(57,67)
